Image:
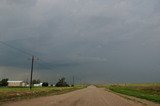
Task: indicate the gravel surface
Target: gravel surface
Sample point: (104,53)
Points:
(90,96)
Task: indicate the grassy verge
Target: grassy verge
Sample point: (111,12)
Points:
(148,92)
(19,93)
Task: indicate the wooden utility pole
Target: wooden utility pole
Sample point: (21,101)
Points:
(31,72)
(73,80)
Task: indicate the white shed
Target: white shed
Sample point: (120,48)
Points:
(40,84)
(16,83)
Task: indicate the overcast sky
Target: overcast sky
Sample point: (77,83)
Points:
(97,41)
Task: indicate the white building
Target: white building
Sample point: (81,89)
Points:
(38,84)
(16,83)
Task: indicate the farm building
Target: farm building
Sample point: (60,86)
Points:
(40,84)
(16,83)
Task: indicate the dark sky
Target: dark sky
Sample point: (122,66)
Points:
(97,41)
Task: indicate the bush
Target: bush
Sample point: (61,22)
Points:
(45,84)
(4,82)
(62,83)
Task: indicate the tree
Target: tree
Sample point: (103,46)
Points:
(62,83)
(45,84)
(4,82)
(36,81)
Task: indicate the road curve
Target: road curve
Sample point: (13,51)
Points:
(90,96)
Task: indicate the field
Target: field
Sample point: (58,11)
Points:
(148,91)
(19,93)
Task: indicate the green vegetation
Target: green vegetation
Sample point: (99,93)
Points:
(19,93)
(145,91)
(36,81)
(62,83)
(4,82)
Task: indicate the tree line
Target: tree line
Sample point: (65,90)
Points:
(61,83)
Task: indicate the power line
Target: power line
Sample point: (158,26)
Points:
(33,58)
(27,53)
(20,50)
(49,65)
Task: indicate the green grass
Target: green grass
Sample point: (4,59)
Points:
(145,91)
(19,93)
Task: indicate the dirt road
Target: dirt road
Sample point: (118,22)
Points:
(90,96)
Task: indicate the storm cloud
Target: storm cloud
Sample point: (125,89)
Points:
(98,41)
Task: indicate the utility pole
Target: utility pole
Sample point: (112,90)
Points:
(31,72)
(32,64)
(73,81)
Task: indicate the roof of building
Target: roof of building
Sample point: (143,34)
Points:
(14,81)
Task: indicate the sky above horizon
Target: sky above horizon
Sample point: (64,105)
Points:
(97,41)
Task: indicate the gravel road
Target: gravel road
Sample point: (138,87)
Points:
(90,96)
